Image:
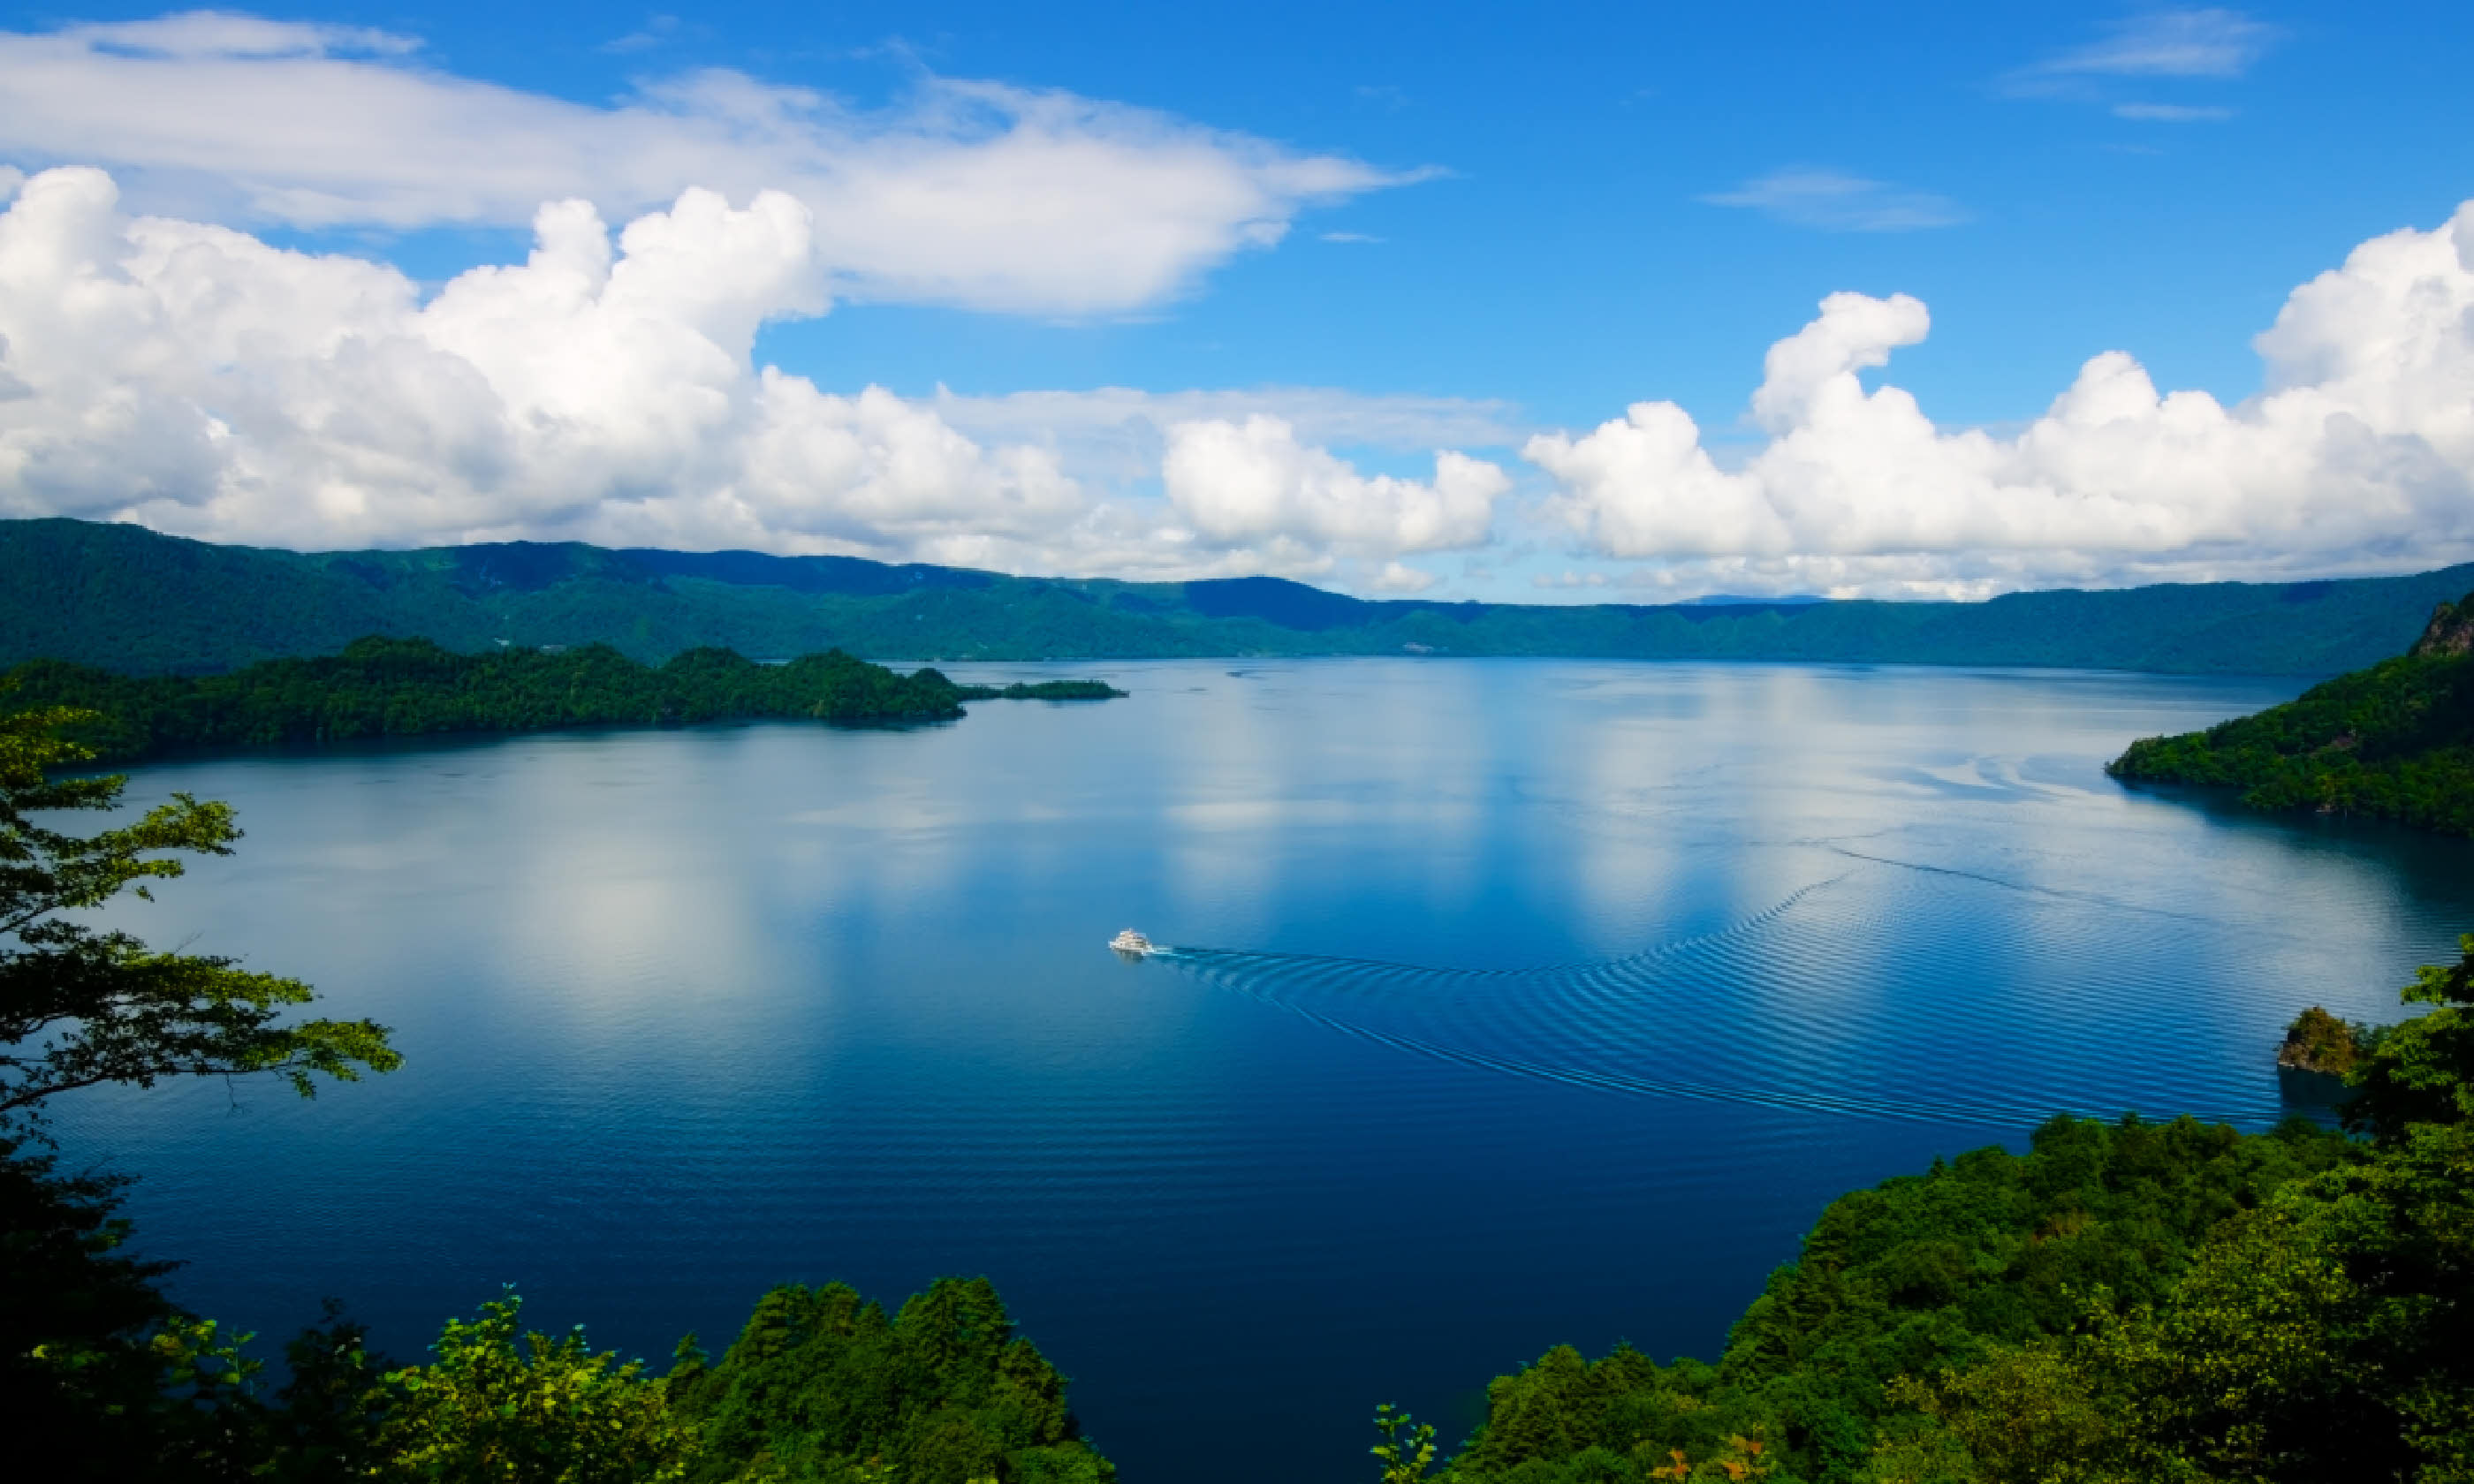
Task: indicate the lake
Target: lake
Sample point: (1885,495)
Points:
(1511,1003)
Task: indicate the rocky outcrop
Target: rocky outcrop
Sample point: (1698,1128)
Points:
(2317,1041)
(2450,634)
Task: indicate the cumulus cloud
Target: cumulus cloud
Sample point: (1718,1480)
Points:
(967,193)
(1119,434)
(1255,484)
(1835,202)
(2358,456)
(204,382)
(1395,578)
(200,380)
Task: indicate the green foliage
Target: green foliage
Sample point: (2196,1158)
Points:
(2317,1041)
(81,1007)
(127,599)
(823,1386)
(328,1420)
(411,688)
(99,1370)
(2025,1412)
(2421,1071)
(1042,690)
(107,1380)
(74,1313)
(2395,741)
(1737,1459)
(500,1404)
(1920,1274)
(1407,1450)
(2320,1336)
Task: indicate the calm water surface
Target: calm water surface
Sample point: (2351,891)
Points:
(1512,1003)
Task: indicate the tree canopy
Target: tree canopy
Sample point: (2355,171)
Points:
(383,688)
(81,1005)
(823,1386)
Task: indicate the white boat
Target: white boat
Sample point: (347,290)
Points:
(1131,942)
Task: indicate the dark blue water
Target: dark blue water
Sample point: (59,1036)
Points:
(1512,1003)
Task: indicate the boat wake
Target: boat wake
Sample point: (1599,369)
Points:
(1858,995)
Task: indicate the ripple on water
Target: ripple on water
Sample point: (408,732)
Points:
(1751,1013)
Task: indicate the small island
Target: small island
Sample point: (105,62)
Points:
(2392,742)
(394,687)
(2319,1042)
(1041,690)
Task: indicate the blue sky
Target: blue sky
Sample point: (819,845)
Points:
(1513,224)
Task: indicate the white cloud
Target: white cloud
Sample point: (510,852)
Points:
(201,382)
(1395,578)
(1835,202)
(1119,434)
(195,378)
(657,31)
(2184,43)
(967,193)
(2169,114)
(2359,456)
(2207,46)
(226,33)
(1254,484)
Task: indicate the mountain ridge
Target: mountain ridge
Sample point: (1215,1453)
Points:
(133,600)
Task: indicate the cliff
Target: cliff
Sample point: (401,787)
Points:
(2450,634)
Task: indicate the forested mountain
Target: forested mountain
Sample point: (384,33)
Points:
(2395,741)
(127,599)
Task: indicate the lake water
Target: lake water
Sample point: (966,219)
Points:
(1512,1003)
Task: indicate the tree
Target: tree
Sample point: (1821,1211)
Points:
(2321,1335)
(1408,1447)
(528,1409)
(824,1386)
(100,1373)
(2421,1071)
(80,1006)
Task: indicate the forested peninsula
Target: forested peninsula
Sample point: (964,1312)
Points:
(127,599)
(383,688)
(2394,742)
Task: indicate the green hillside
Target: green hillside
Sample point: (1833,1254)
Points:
(127,599)
(2395,741)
